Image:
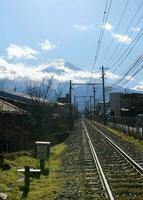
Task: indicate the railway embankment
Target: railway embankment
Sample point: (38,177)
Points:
(131,145)
(66,173)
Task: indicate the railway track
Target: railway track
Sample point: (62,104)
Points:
(118,176)
(126,146)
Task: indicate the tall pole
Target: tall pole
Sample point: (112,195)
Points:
(94,100)
(103,88)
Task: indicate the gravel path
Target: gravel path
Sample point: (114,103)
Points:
(74,185)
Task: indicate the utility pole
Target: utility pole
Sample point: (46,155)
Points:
(70,98)
(94,100)
(103,88)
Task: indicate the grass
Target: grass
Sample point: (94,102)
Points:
(138,143)
(11,182)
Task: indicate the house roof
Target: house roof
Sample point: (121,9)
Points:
(10,108)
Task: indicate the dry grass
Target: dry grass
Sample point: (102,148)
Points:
(11,182)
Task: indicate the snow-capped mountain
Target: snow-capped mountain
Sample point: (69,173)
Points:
(19,76)
(60,68)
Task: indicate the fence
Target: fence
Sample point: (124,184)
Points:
(129,125)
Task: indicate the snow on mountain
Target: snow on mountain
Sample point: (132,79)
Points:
(19,75)
(60,68)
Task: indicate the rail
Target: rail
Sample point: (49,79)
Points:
(125,155)
(99,168)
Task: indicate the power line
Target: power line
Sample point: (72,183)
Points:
(117,28)
(117,50)
(135,73)
(103,24)
(137,62)
(132,71)
(125,54)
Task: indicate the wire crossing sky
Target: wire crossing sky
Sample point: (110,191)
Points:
(37,33)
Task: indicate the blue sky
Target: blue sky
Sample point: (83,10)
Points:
(36,32)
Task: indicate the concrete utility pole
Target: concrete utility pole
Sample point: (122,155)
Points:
(103,87)
(94,100)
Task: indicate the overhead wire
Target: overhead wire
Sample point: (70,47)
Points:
(131,68)
(136,72)
(117,28)
(126,53)
(101,35)
(132,71)
(119,48)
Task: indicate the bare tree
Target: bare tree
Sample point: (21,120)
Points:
(41,108)
(40,91)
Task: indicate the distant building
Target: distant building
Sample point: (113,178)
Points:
(123,104)
(100,107)
(63,99)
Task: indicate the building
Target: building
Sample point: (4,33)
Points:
(124,104)
(6,107)
(64,99)
(100,108)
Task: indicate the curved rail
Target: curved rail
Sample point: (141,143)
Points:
(99,168)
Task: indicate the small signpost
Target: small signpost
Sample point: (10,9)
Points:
(42,152)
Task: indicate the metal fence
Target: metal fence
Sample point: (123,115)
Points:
(129,125)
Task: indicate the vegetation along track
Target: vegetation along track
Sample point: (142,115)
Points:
(123,175)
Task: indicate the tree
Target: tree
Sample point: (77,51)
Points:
(41,107)
(40,91)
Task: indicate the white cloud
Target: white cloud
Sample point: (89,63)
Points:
(15,51)
(138,87)
(84,28)
(122,38)
(20,71)
(112,76)
(47,45)
(136,29)
(107,26)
